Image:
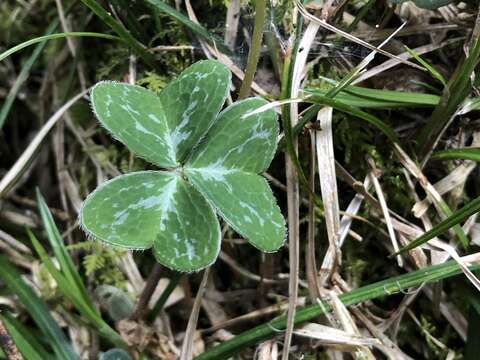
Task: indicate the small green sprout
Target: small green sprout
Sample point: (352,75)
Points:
(210,161)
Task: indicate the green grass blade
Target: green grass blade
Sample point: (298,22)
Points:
(456,91)
(455,154)
(23,76)
(37,309)
(199,30)
(72,294)
(427,66)
(108,19)
(61,254)
(458,216)
(407,98)
(28,345)
(338,105)
(44,38)
(379,99)
(377,290)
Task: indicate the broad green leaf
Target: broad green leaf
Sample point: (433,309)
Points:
(239,142)
(192,102)
(159,209)
(135,116)
(245,202)
(224,169)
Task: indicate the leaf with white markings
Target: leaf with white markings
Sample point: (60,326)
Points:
(224,169)
(211,163)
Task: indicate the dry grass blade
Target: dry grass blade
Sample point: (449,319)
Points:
(350,37)
(442,208)
(268,350)
(352,209)
(345,224)
(405,55)
(187,346)
(446,184)
(349,326)
(388,347)
(293,190)
(27,156)
(329,336)
(463,265)
(374,174)
(328,184)
(310,260)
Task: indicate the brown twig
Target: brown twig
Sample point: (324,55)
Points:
(142,306)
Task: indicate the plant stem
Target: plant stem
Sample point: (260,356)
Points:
(379,289)
(254,54)
(164,297)
(147,292)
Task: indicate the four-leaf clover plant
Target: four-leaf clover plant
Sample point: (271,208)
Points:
(210,162)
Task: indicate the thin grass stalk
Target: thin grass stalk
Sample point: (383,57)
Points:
(254,54)
(310,261)
(293,171)
(187,346)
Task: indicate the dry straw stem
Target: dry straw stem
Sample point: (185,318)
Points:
(12,176)
(293,191)
(231,23)
(328,185)
(187,346)
(455,178)
(405,55)
(374,175)
(339,339)
(310,259)
(442,208)
(348,324)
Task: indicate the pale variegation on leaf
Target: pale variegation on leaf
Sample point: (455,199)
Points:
(210,163)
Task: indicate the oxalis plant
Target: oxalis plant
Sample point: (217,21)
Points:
(210,164)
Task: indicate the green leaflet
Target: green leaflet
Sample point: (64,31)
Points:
(225,166)
(159,209)
(238,141)
(193,101)
(212,162)
(245,202)
(136,117)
